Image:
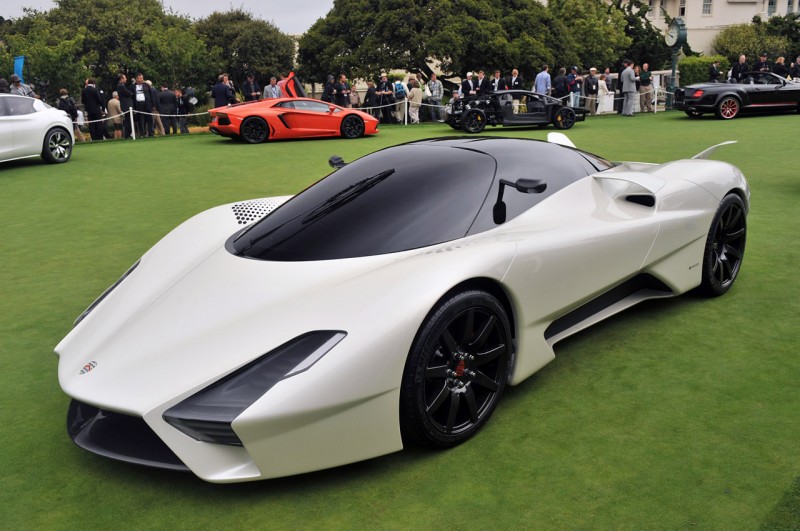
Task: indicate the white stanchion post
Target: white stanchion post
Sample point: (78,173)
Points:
(405,114)
(133,129)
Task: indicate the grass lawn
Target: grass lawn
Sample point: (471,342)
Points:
(676,414)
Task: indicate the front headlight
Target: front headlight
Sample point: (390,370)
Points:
(207,415)
(103,295)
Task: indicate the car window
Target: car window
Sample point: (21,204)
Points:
(394,200)
(19,106)
(315,106)
(286,105)
(3,106)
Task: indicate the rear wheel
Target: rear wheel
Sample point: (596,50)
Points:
(473,121)
(724,246)
(564,118)
(456,371)
(254,130)
(728,108)
(57,147)
(352,127)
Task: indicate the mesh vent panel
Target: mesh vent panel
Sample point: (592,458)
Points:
(250,211)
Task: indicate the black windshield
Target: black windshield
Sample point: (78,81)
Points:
(401,198)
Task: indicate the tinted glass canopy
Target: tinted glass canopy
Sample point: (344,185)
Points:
(410,196)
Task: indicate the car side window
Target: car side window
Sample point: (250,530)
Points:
(20,106)
(3,107)
(313,106)
(286,105)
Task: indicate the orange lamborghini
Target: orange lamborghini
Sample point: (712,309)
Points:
(276,119)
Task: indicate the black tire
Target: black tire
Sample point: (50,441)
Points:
(725,245)
(254,130)
(352,126)
(473,121)
(454,125)
(693,114)
(564,118)
(728,108)
(456,370)
(57,146)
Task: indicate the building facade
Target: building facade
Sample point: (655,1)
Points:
(705,18)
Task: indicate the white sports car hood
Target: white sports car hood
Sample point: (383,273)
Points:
(200,299)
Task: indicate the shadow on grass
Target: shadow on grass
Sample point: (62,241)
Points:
(786,515)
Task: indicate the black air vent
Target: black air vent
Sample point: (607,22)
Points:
(250,211)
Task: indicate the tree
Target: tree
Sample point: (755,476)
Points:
(245,44)
(748,39)
(49,56)
(647,42)
(787,26)
(364,38)
(600,27)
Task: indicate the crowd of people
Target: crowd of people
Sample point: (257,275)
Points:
(164,112)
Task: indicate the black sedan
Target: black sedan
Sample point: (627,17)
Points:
(759,91)
(473,114)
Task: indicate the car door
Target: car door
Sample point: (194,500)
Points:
(26,129)
(759,90)
(313,118)
(6,132)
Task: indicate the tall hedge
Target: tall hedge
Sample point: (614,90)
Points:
(695,69)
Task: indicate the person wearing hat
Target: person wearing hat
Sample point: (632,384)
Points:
(740,69)
(762,65)
(384,94)
(18,87)
(574,83)
(591,87)
(468,86)
(250,88)
(329,92)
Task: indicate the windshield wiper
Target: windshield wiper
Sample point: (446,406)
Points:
(345,196)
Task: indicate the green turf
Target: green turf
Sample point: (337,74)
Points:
(676,414)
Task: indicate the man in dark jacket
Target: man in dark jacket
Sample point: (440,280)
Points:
(125,102)
(250,88)
(739,69)
(223,92)
(168,106)
(93,103)
(143,104)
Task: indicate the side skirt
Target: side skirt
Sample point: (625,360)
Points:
(629,293)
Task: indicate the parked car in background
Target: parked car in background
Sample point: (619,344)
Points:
(472,115)
(32,128)
(760,91)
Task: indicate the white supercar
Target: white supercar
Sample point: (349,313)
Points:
(32,128)
(388,304)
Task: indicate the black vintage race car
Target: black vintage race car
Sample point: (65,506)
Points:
(474,113)
(759,91)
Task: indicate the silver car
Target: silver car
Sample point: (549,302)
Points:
(32,128)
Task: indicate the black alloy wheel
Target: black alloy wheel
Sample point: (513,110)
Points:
(473,121)
(564,118)
(725,245)
(456,371)
(57,146)
(352,126)
(728,108)
(254,130)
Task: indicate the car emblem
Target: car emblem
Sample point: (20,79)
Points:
(88,367)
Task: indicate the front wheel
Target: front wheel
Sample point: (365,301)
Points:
(57,147)
(473,121)
(254,130)
(456,370)
(352,127)
(725,244)
(564,118)
(728,108)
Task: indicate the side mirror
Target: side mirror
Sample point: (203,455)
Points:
(527,186)
(336,162)
(331,109)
